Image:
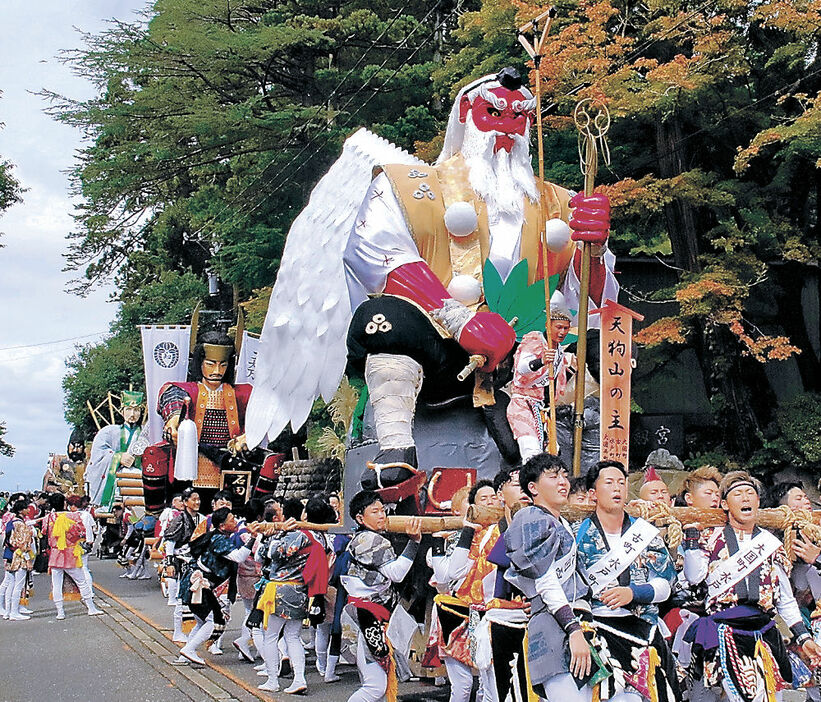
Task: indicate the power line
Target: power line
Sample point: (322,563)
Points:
(319,108)
(50,343)
(288,176)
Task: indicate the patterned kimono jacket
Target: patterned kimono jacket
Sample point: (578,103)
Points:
(66,533)
(286,594)
(738,645)
(19,547)
(464,579)
(543,565)
(631,645)
(372,569)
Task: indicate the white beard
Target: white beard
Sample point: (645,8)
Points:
(502,179)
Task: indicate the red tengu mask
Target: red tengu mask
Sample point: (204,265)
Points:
(505,114)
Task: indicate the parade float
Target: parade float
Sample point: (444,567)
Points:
(424,279)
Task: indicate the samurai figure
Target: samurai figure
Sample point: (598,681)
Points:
(203,419)
(211,401)
(116,446)
(203,426)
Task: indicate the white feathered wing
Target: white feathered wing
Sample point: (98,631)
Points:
(302,348)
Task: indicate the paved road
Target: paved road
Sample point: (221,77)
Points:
(127,654)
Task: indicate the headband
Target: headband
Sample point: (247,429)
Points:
(741,483)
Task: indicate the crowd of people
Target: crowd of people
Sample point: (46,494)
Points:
(46,532)
(605,606)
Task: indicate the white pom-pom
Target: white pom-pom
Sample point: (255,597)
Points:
(461,219)
(557,299)
(465,289)
(558,234)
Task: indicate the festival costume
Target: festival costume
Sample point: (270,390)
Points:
(322,605)
(527,412)
(18,559)
(248,574)
(297,570)
(543,565)
(372,569)
(505,623)
(66,533)
(737,645)
(213,570)
(463,577)
(176,538)
(630,644)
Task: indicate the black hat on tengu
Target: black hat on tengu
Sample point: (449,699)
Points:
(509,78)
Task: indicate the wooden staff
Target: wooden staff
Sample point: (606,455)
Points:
(592,120)
(535,51)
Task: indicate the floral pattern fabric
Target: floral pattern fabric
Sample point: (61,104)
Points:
(653,562)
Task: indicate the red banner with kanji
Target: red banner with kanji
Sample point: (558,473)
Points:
(616,372)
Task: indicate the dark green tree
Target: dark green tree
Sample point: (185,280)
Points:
(6,449)
(213,121)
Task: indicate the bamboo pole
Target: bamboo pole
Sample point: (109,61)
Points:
(770,518)
(535,52)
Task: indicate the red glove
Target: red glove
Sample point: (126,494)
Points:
(489,335)
(590,220)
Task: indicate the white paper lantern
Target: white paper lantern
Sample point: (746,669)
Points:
(465,289)
(558,234)
(461,219)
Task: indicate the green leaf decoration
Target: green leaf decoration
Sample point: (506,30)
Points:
(492,284)
(515,298)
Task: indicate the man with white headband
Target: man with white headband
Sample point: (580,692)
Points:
(422,238)
(747,575)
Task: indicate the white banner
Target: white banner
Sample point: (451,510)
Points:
(247,361)
(165,357)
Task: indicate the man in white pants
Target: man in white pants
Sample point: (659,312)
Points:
(373,569)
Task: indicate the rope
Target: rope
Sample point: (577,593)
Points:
(725,636)
(660,514)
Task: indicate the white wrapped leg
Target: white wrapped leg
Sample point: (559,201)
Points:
(394,383)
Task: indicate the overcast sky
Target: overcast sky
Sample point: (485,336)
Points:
(34,307)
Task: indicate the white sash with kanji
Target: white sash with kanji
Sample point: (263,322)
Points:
(622,553)
(749,556)
(566,565)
